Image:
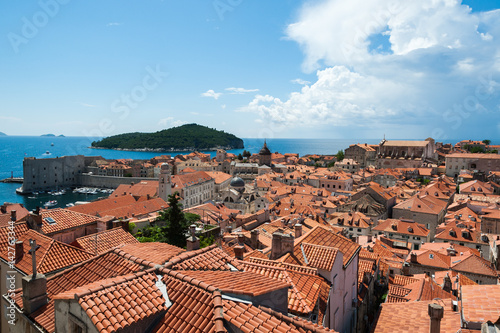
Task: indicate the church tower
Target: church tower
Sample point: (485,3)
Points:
(165,182)
(265,155)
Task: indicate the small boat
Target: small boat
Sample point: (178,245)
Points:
(50,203)
(70,205)
(47,153)
(52,144)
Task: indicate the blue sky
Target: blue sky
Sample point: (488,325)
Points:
(310,69)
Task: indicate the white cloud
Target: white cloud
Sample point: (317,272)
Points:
(195,113)
(211,93)
(88,105)
(170,122)
(234,90)
(10,118)
(113,24)
(439,54)
(223,106)
(300,81)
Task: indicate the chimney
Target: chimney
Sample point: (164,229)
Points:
(125,225)
(254,234)
(298,230)
(37,210)
(34,293)
(447,283)
(436,312)
(229,229)
(193,243)
(13,215)
(413,258)
(281,244)
(238,251)
(19,248)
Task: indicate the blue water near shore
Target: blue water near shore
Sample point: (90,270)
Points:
(13,149)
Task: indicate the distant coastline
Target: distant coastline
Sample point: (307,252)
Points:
(159,150)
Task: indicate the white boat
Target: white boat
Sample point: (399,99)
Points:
(50,203)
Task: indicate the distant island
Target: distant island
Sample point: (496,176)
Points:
(53,135)
(3,134)
(185,137)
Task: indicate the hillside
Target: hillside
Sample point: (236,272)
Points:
(185,137)
(3,134)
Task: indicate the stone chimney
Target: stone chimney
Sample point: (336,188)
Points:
(298,230)
(193,243)
(447,286)
(19,248)
(254,234)
(13,215)
(238,251)
(34,293)
(241,239)
(125,225)
(413,257)
(229,229)
(281,244)
(436,312)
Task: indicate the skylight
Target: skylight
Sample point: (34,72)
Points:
(49,220)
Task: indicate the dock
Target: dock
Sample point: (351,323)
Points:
(12,180)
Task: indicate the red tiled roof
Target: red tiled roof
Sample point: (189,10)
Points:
(98,207)
(238,283)
(321,236)
(104,266)
(405,227)
(51,255)
(105,240)
(481,303)
(413,317)
(155,253)
(210,258)
(136,209)
(64,219)
(321,257)
(117,303)
(142,189)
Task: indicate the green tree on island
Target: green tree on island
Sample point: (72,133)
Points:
(487,142)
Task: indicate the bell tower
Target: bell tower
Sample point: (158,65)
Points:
(165,182)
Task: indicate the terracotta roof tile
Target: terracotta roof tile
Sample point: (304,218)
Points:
(318,256)
(97,208)
(51,255)
(413,317)
(238,283)
(323,237)
(105,240)
(481,303)
(210,258)
(64,219)
(143,299)
(154,253)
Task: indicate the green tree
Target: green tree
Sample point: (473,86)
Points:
(246,154)
(487,142)
(206,241)
(176,224)
(240,157)
(340,155)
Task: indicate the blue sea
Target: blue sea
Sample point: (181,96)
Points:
(13,149)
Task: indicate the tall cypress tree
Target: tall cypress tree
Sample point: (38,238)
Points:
(176,224)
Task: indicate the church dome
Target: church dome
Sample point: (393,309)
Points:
(237,182)
(265,150)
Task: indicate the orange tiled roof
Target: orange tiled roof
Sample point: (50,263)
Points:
(405,227)
(104,266)
(51,255)
(321,236)
(19,229)
(481,303)
(117,303)
(142,189)
(135,209)
(156,253)
(105,240)
(98,207)
(64,219)
(318,256)
(210,258)
(413,317)
(238,283)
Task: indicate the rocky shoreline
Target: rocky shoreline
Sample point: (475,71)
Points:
(165,150)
